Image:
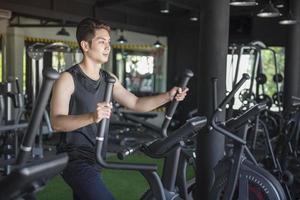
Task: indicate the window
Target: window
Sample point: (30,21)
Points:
(58,61)
(63,60)
(271,63)
(246,58)
(270,70)
(136,71)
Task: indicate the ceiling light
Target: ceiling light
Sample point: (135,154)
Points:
(194,16)
(288,20)
(63,32)
(269,10)
(157,44)
(122,39)
(243,3)
(279,3)
(164,7)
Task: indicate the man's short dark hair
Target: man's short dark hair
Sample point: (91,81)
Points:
(86,30)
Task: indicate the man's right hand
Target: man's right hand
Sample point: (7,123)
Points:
(103,110)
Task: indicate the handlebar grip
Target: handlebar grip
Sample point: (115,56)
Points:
(107,98)
(51,74)
(108,93)
(102,134)
(104,122)
(234,90)
(128,151)
(171,110)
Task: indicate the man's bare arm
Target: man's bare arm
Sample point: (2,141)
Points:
(61,121)
(144,104)
(61,95)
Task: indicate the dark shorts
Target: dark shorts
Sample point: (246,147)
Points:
(85,181)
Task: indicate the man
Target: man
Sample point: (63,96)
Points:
(77,106)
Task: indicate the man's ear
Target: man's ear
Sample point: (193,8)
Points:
(84,45)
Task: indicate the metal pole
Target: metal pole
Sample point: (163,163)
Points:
(292,61)
(214,31)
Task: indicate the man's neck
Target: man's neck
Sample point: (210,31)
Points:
(91,69)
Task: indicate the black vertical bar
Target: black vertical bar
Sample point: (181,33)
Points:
(292,61)
(172,108)
(171,166)
(214,31)
(50,75)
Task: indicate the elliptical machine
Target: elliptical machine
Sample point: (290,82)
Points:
(27,178)
(167,147)
(239,176)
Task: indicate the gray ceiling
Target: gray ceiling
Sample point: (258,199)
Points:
(137,15)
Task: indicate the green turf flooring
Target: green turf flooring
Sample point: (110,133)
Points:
(125,185)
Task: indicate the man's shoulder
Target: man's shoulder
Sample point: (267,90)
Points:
(72,68)
(66,77)
(65,83)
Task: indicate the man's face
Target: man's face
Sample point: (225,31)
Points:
(100,46)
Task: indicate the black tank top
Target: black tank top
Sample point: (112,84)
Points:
(80,143)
